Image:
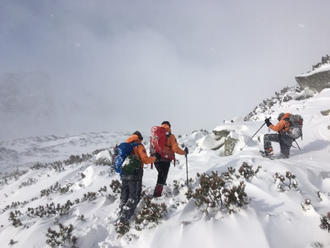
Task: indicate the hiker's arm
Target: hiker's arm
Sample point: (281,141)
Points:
(143,155)
(175,146)
(280,125)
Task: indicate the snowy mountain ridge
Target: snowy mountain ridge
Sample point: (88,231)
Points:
(284,203)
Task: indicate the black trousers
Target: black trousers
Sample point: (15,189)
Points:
(162,168)
(284,141)
(131,187)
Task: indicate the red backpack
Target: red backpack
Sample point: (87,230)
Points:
(158,141)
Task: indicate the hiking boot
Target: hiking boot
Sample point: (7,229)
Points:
(158,190)
(269,152)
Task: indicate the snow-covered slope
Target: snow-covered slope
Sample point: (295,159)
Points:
(25,152)
(272,218)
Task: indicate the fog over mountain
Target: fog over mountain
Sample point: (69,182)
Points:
(80,66)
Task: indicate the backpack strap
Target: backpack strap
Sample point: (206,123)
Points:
(135,144)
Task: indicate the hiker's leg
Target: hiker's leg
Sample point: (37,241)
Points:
(285,145)
(162,168)
(166,168)
(139,185)
(268,138)
(123,194)
(158,166)
(129,207)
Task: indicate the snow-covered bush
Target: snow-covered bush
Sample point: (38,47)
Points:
(216,192)
(247,171)
(177,186)
(325,222)
(29,182)
(307,205)
(15,205)
(50,209)
(15,175)
(13,218)
(104,158)
(76,159)
(12,242)
(150,214)
(38,166)
(89,196)
(61,238)
(122,227)
(57,166)
(57,187)
(115,186)
(285,183)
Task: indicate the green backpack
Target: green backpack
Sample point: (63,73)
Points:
(131,165)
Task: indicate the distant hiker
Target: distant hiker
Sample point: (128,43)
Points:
(131,171)
(282,137)
(163,145)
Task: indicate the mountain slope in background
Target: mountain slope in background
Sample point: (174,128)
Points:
(278,213)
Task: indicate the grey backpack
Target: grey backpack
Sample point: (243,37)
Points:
(296,124)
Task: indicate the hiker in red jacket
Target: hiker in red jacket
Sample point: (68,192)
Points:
(162,164)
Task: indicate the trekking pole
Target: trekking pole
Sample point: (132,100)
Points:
(187,169)
(297,144)
(253,136)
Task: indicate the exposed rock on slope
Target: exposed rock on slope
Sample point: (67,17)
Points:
(317,79)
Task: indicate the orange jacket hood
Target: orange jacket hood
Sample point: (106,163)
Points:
(133,138)
(285,116)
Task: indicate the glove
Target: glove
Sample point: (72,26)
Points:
(186,150)
(267,121)
(158,156)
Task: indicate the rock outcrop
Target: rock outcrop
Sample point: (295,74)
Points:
(317,79)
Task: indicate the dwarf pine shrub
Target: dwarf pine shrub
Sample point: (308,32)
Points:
(13,218)
(89,196)
(247,171)
(15,205)
(122,227)
(12,242)
(325,222)
(50,210)
(285,183)
(115,186)
(28,182)
(150,213)
(61,238)
(57,187)
(217,191)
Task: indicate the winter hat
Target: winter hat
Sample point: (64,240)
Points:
(137,133)
(280,116)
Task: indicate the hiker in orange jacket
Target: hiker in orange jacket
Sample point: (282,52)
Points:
(163,165)
(132,184)
(281,137)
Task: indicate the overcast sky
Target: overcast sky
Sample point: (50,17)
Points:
(94,65)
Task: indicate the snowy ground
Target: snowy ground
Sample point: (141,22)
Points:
(271,219)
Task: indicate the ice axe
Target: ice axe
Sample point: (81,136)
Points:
(251,138)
